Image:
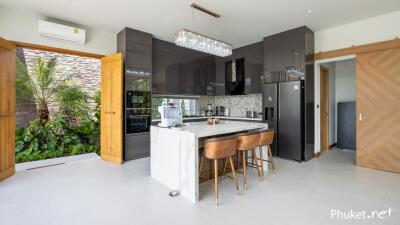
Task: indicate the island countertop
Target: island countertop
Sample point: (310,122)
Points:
(175,152)
(202,129)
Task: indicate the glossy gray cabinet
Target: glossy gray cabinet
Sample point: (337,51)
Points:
(181,71)
(253,68)
(284,50)
(136,47)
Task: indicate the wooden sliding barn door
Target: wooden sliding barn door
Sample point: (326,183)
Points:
(378,109)
(111,109)
(7,108)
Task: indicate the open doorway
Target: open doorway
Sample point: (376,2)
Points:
(338,105)
(57,107)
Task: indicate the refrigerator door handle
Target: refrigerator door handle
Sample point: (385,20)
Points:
(272,112)
(266,112)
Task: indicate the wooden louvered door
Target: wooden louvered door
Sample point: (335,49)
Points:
(111,109)
(7,108)
(378,109)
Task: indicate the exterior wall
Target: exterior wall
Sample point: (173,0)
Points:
(83,71)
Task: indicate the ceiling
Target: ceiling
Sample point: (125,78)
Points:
(242,22)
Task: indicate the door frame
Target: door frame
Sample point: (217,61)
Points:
(324,131)
(317,97)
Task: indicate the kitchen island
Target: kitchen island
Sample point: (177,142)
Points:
(174,152)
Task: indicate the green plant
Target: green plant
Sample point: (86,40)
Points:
(73,130)
(37,86)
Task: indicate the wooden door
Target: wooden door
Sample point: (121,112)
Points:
(324,74)
(111,129)
(378,109)
(7,108)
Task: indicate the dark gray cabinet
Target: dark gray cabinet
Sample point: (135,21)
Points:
(284,50)
(180,71)
(253,69)
(136,47)
(219,84)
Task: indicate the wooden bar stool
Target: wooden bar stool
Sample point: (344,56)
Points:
(220,148)
(248,142)
(266,139)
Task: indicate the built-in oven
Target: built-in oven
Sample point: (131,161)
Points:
(137,100)
(138,120)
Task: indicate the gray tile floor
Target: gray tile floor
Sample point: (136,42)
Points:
(96,192)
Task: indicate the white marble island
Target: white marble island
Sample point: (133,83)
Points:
(174,153)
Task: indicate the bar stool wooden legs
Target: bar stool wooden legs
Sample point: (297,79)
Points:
(216,180)
(220,148)
(266,139)
(270,158)
(258,163)
(248,142)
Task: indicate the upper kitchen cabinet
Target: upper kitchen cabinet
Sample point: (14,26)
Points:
(248,70)
(285,54)
(180,71)
(136,47)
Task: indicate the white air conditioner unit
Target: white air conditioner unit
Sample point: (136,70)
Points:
(61,32)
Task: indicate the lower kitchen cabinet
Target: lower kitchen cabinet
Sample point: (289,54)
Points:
(137,145)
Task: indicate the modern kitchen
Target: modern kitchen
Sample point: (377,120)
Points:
(199,112)
(176,97)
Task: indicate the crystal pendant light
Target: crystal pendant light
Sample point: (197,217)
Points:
(199,42)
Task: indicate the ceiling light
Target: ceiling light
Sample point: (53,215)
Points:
(200,42)
(309,11)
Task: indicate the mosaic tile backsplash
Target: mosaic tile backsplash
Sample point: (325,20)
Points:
(238,104)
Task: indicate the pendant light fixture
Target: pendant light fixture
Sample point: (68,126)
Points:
(193,40)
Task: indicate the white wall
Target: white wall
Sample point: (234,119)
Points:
(22,26)
(375,29)
(345,80)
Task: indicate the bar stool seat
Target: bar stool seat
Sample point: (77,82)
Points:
(220,148)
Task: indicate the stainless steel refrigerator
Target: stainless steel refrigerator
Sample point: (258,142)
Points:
(283,105)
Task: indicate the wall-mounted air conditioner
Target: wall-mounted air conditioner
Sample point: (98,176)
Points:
(61,32)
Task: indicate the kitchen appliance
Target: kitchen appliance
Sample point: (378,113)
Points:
(234,77)
(220,111)
(251,114)
(283,105)
(209,111)
(227,112)
(171,115)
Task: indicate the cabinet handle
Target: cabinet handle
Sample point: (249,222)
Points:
(360,116)
(109,112)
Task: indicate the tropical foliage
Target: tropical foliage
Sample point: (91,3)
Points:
(72,130)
